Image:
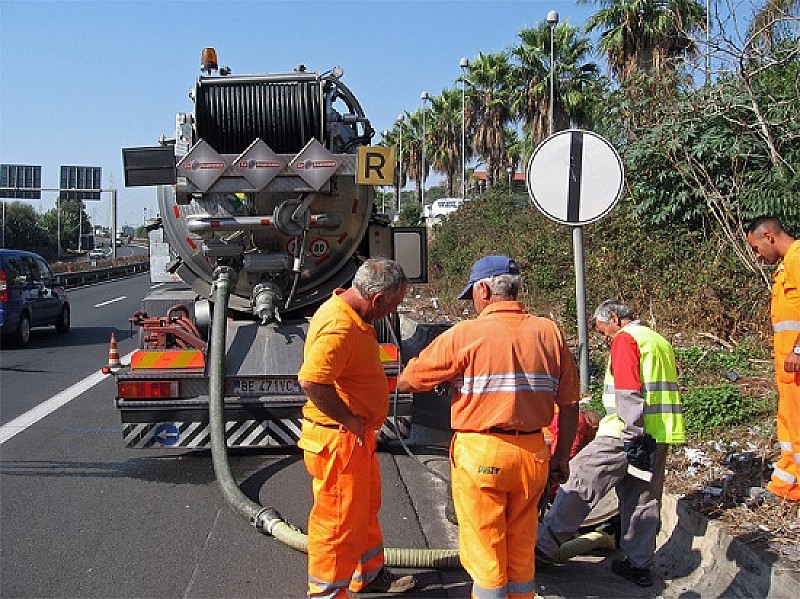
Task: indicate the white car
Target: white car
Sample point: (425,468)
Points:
(97,255)
(443,207)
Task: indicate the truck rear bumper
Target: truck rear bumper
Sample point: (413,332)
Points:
(172,424)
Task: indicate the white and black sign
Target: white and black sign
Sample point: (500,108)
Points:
(575,177)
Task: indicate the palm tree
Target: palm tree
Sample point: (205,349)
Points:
(576,80)
(646,35)
(412,151)
(444,138)
(489,109)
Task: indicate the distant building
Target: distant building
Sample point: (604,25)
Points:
(518,184)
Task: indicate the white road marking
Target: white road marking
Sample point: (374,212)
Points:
(34,415)
(156,286)
(116,299)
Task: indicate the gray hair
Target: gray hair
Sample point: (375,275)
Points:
(604,310)
(506,285)
(379,275)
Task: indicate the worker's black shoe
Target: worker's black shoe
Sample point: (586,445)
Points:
(386,582)
(626,569)
(542,559)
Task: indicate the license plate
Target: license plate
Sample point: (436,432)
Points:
(258,387)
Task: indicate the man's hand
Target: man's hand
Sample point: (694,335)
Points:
(559,470)
(358,426)
(792,363)
(641,451)
(328,402)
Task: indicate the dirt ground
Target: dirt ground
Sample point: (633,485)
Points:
(723,478)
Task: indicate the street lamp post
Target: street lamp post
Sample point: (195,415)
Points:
(464,64)
(385,134)
(577,240)
(80,224)
(424,97)
(400,171)
(708,42)
(58,226)
(552,19)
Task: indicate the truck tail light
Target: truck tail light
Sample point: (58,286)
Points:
(3,286)
(147,389)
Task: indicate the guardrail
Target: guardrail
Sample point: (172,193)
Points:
(82,277)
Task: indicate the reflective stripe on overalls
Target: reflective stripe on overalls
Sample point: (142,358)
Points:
(663,415)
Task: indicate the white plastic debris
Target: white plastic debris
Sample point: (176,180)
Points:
(697,457)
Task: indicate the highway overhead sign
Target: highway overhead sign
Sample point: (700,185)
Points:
(575,177)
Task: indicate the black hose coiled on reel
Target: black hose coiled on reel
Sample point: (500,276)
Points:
(231,113)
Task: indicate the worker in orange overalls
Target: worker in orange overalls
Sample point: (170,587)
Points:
(771,242)
(348,400)
(508,369)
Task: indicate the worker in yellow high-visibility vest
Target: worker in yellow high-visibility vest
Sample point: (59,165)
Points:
(629,451)
(771,242)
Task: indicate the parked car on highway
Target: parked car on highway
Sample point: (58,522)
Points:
(30,296)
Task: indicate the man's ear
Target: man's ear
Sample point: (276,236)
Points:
(376,299)
(484,292)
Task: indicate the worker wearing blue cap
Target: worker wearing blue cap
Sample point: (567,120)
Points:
(508,369)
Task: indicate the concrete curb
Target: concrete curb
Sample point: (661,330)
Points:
(697,554)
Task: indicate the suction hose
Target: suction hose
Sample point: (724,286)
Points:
(267,520)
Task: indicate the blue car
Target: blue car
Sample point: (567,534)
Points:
(30,296)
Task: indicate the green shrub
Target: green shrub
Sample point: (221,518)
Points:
(710,407)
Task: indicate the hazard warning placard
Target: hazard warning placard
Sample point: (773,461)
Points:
(375,166)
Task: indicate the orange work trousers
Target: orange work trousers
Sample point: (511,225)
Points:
(785,313)
(345,542)
(497,481)
(785,480)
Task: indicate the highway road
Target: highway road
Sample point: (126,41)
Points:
(82,516)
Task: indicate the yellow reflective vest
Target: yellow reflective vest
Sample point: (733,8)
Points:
(663,415)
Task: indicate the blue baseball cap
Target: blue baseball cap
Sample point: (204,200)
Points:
(486,267)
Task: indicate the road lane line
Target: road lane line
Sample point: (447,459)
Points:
(34,415)
(116,299)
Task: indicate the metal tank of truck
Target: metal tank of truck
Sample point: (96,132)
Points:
(260,183)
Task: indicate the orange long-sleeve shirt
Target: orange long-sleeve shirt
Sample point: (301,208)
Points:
(508,368)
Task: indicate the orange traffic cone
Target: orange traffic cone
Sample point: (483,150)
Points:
(113,355)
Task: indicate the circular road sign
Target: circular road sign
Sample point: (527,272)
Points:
(575,177)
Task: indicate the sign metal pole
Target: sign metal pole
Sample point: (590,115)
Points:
(576,177)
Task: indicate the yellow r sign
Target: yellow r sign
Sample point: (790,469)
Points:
(375,166)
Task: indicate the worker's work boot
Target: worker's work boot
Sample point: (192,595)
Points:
(626,569)
(386,582)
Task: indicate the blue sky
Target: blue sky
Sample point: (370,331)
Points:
(80,80)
